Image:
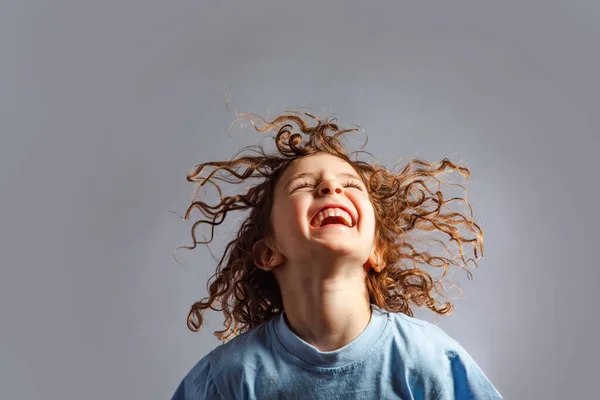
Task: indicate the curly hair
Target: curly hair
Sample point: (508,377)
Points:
(405,203)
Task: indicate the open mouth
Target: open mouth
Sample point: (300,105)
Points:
(332,216)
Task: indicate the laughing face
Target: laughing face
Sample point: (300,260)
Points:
(322,213)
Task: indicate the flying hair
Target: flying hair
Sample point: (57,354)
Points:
(411,211)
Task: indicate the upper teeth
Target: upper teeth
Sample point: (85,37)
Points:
(332,212)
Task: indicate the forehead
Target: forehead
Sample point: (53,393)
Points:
(317,163)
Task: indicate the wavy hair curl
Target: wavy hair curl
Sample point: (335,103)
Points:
(405,203)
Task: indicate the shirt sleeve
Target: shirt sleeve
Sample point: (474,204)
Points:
(467,381)
(198,384)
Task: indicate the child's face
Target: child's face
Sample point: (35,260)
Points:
(302,233)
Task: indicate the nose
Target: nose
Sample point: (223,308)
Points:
(330,187)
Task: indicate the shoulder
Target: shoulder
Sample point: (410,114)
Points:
(423,336)
(198,382)
(209,378)
(241,350)
(431,351)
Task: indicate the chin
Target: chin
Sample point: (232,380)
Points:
(335,250)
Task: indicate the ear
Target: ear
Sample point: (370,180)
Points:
(375,261)
(266,256)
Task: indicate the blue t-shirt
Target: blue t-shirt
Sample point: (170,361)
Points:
(395,357)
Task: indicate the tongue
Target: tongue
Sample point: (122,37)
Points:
(333,220)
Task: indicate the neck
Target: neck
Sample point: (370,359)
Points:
(327,312)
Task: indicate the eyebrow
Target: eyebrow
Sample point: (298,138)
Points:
(313,174)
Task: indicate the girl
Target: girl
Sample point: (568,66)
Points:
(317,286)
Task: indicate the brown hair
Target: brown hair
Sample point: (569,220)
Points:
(405,203)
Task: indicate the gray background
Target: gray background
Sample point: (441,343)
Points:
(105,106)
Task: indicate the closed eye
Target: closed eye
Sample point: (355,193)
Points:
(302,185)
(353,184)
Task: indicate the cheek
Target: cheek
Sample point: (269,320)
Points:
(288,218)
(368,214)
(296,216)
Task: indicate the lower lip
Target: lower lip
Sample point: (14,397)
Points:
(339,226)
